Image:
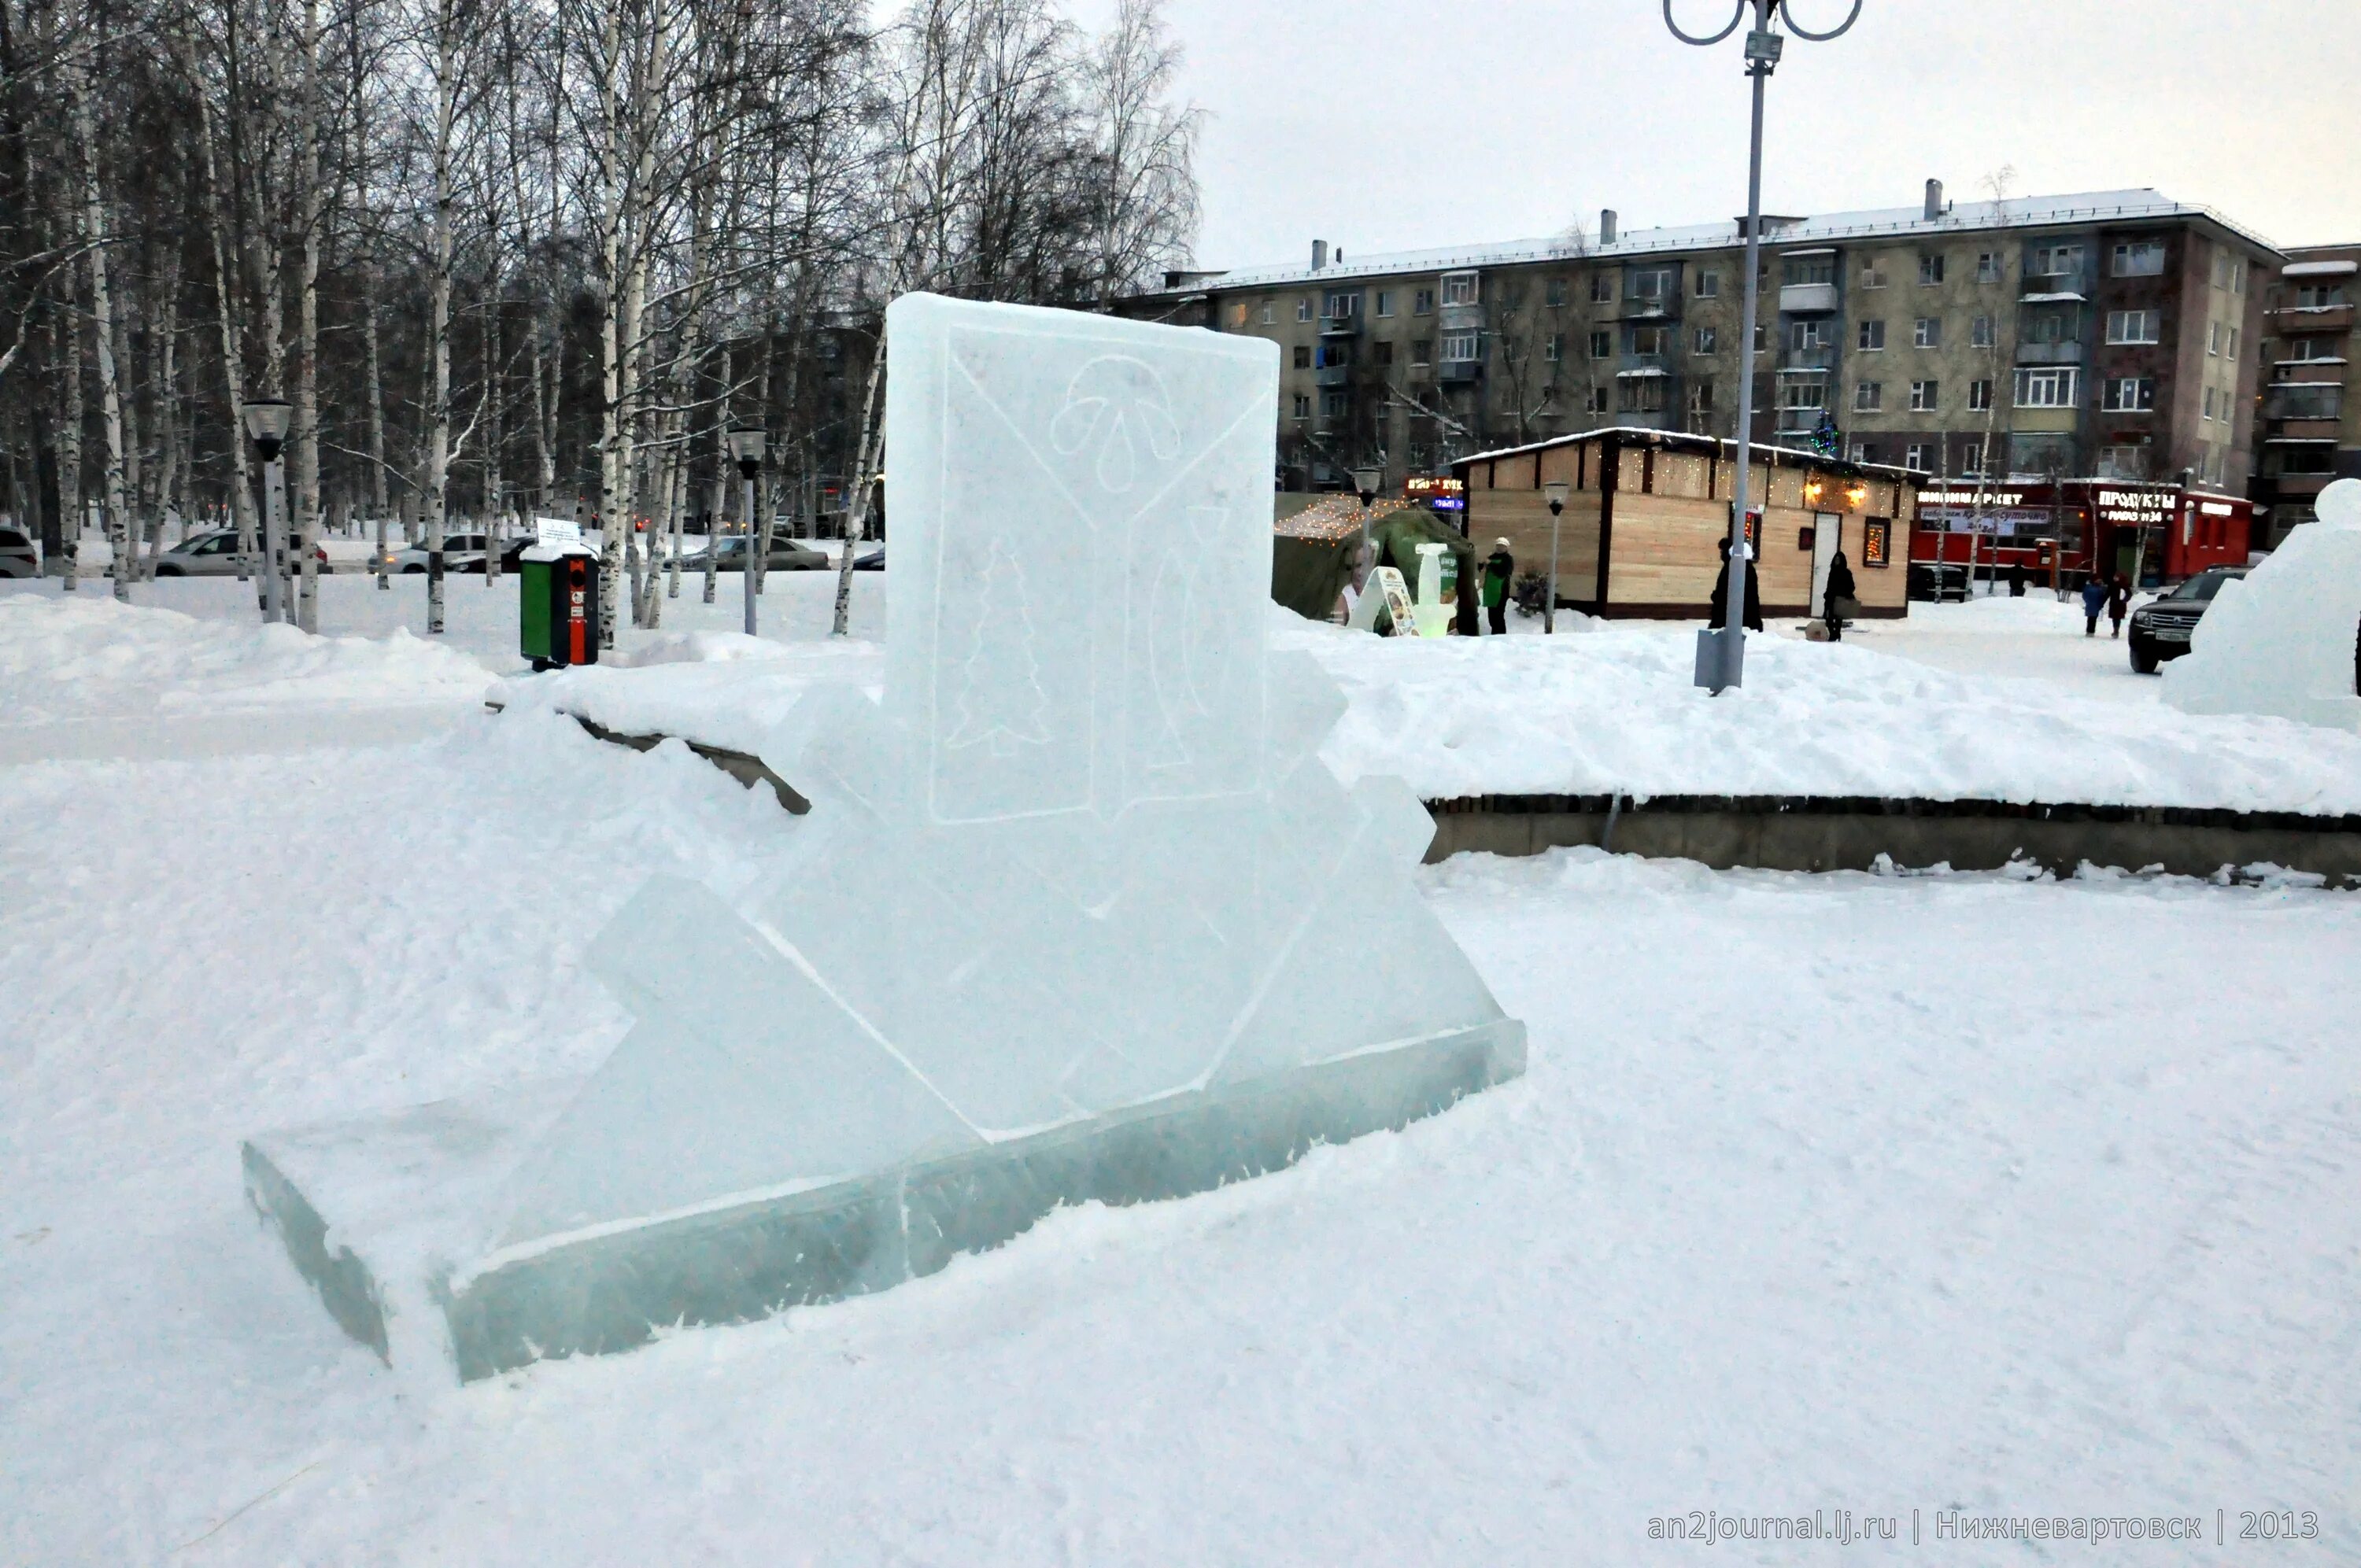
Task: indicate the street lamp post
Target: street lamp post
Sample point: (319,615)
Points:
(267,420)
(1556,490)
(746,445)
(1366,480)
(1720,665)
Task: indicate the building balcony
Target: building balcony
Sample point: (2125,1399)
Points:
(1332,376)
(2050,353)
(1800,420)
(2291,486)
(1459,318)
(2299,427)
(1807,361)
(1649,310)
(1457,369)
(1808,299)
(1339,326)
(2310,321)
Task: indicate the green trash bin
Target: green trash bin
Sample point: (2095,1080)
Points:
(557,605)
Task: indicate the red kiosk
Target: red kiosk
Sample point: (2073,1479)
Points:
(2157,534)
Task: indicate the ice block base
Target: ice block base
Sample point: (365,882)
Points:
(378,1216)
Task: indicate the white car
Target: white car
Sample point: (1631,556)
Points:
(461,552)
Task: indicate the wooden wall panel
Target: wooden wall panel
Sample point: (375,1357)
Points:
(1523,518)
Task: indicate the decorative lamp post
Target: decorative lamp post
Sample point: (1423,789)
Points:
(1556,490)
(267,420)
(746,444)
(1366,481)
(1721,661)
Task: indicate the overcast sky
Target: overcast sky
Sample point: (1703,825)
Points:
(1386,124)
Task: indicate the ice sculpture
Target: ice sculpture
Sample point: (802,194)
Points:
(2286,640)
(1078,913)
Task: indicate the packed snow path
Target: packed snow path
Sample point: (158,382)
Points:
(1835,1192)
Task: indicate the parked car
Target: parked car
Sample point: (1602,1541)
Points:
(461,552)
(731,555)
(17,557)
(2160,628)
(873,561)
(1935,581)
(209,554)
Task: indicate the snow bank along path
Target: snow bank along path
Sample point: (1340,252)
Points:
(1613,711)
(1782,1217)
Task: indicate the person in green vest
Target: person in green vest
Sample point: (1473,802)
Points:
(1499,566)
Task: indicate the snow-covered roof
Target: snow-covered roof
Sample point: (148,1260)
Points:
(2065,297)
(1643,370)
(2320,269)
(1683,438)
(2091,207)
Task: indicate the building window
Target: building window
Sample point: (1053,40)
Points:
(1808,392)
(1459,347)
(1868,397)
(1603,288)
(1302,405)
(1654,284)
(1930,269)
(1925,396)
(1602,346)
(1928,333)
(1269,314)
(2318,296)
(1335,405)
(1863,452)
(1799,269)
(2209,404)
(1810,333)
(1701,395)
(1972,459)
(1915,457)
(2213,339)
(1979,395)
(1705,340)
(2230,345)
(2140,258)
(1980,332)
(1341,306)
(2237,275)
(1385,302)
(1873,272)
(1459,288)
(2049,388)
(1303,356)
(2221,269)
(2128,461)
(1988,267)
(1651,342)
(1303,310)
(1381,354)
(1553,345)
(1421,350)
(1332,354)
(2135,326)
(2056,261)
(1643,394)
(1872,336)
(1760,330)
(1597,404)
(1556,294)
(2301,349)
(1708,285)
(1421,301)
(2128,394)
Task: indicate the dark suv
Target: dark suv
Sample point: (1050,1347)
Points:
(2160,627)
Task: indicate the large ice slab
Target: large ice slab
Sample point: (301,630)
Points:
(1078,914)
(2285,640)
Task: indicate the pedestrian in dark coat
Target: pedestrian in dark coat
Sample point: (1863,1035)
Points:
(2017,579)
(2094,599)
(1499,568)
(2119,602)
(1840,587)
(1720,602)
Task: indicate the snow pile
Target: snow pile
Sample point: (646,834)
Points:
(697,647)
(79,656)
(2287,640)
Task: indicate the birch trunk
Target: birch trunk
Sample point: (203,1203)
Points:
(167,415)
(438,317)
(721,480)
(611,202)
(102,311)
(306,434)
(856,510)
(70,422)
(241,492)
(495,514)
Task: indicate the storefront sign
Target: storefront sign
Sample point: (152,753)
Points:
(1439,493)
(2134,509)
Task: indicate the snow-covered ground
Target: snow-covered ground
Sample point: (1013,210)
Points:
(2035,636)
(1822,1192)
(1877,1194)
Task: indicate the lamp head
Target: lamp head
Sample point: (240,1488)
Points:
(267,420)
(1557,490)
(1366,480)
(746,445)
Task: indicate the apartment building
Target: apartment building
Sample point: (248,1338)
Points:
(2101,335)
(2310,428)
